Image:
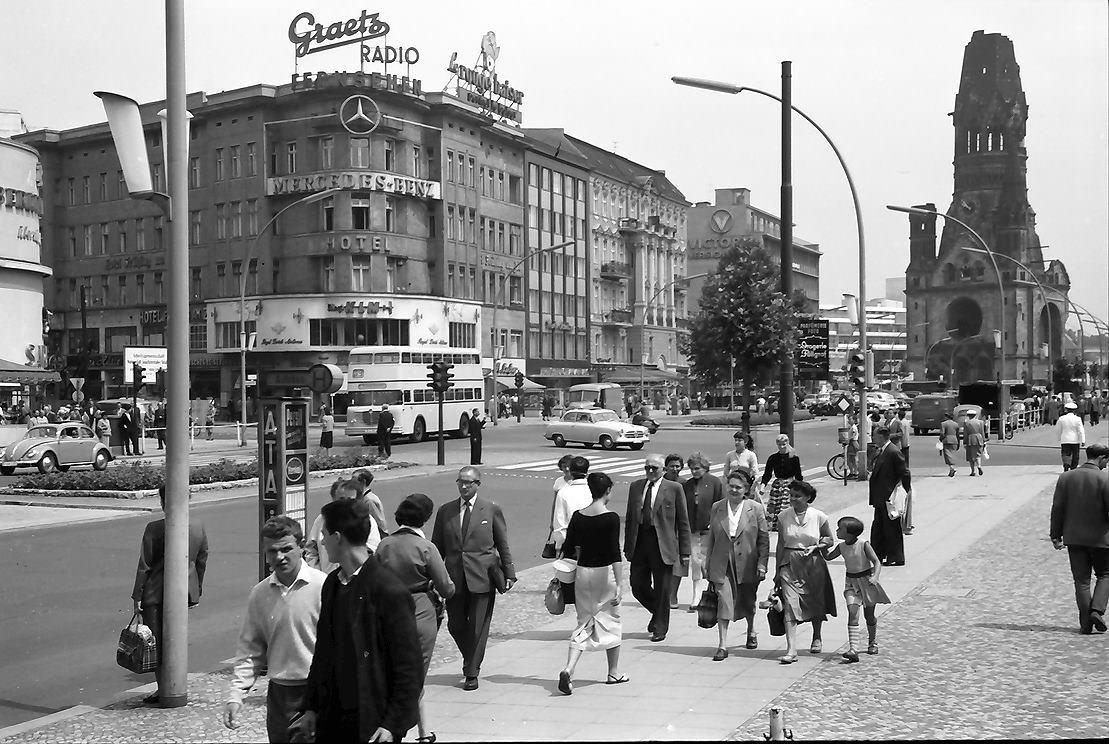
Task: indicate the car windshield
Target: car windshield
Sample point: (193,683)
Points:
(605,416)
(41,431)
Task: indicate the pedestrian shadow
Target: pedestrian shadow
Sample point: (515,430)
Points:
(706,651)
(1030,628)
(547,683)
(542,635)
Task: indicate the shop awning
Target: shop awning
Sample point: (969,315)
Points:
(510,382)
(22,374)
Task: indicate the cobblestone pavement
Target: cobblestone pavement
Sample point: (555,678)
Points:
(985,649)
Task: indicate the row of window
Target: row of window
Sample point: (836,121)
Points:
(102,184)
(558,344)
(99,240)
(230,166)
(357,332)
(556,304)
(406,357)
(462,169)
(118,338)
(361,215)
(361,275)
(556,183)
(323,156)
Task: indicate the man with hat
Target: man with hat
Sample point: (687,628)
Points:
(1080,520)
(1072,435)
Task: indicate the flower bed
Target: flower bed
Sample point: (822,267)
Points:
(735,418)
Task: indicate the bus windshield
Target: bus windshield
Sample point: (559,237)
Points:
(377,397)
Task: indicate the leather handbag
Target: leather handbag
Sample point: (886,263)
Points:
(549,550)
(775,616)
(553,598)
(138,648)
(707,607)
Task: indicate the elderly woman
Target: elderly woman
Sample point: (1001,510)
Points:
(702,490)
(804,584)
(784,468)
(737,547)
(416,561)
(593,537)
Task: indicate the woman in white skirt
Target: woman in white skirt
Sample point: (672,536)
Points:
(593,537)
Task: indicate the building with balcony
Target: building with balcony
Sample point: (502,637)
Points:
(732,221)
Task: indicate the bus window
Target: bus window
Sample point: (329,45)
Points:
(391,358)
(406,357)
(360,359)
(449,395)
(357,373)
(407,396)
(377,397)
(425,359)
(436,357)
(457,358)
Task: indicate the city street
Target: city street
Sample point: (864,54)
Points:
(57,657)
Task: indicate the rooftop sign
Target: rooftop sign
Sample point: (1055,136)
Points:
(480,86)
(310,37)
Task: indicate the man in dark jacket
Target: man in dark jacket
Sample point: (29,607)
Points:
(367,668)
(1080,520)
(886,536)
(385,422)
(477,422)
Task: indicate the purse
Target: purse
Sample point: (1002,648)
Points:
(549,550)
(985,452)
(553,598)
(939,445)
(707,607)
(138,648)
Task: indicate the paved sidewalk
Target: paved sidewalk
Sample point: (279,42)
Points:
(518,699)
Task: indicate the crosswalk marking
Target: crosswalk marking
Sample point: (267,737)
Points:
(611,465)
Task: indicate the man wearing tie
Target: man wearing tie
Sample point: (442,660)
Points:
(656,536)
(471,535)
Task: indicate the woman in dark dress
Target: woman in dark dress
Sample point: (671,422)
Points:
(593,537)
(783,467)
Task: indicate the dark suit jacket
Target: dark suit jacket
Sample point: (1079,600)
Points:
(387,647)
(1080,508)
(700,495)
(385,423)
(150,575)
(485,547)
(668,513)
(889,470)
(750,548)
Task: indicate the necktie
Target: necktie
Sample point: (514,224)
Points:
(466,518)
(645,517)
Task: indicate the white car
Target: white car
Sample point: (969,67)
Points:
(591,426)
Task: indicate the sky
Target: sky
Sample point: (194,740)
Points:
(880,77)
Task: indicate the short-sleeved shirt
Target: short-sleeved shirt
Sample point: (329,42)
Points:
(796,535)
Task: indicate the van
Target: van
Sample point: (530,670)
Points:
(928,411)
(596,395)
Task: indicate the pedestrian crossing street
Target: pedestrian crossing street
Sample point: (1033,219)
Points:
(615,466)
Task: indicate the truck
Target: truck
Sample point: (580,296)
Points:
(993,397)
(929,409)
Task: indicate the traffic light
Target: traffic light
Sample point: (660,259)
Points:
(137,372)
(439,376)
(160,383)
(856,369)
(519,379)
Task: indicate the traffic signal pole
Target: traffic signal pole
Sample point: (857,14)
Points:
(440,451)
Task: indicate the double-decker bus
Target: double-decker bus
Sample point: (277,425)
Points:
(397,376)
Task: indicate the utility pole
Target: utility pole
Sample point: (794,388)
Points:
(786,397)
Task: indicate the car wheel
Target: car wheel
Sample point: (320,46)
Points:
(7,471)
(48,463)
(636,446)
(559,440)
(100,462)
(419,430)
(607,442)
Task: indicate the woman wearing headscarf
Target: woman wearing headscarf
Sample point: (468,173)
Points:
(736,547)
(413,558)
(784,468)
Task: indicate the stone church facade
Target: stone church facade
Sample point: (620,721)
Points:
(958,309)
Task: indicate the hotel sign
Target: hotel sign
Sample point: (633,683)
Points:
(390,183)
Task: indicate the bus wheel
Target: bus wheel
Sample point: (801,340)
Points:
(464,426)
(419,430)
(368,439)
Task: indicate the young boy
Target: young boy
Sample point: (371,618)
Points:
(861,588)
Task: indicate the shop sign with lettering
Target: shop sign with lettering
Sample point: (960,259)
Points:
(309,37)
(811,355)
(156,316)
(360,307)
(482,88)
(360,80)
(133,262)
(563,372)
(280,335)
(390,183)
(21,201)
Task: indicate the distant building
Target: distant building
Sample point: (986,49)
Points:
(733,221)
(885,334)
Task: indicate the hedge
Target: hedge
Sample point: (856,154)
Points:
(735,418)
(142,475)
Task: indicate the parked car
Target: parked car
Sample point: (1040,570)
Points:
(808,402)
(592,426)
(961,414)
(904,402)
(879,401)
(51,447)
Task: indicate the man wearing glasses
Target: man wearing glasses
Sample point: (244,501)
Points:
(656,537)
(471,535)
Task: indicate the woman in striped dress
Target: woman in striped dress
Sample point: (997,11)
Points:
(782,468)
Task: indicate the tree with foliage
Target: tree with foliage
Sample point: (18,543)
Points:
(743,317)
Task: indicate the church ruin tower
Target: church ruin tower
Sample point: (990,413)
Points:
(954,304)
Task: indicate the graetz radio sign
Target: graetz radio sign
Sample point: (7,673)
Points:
(309,37)
(390,183)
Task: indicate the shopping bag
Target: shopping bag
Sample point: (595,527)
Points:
(897,501)
(775,616)
(907,515)
(985,452)
(138,648)
(939,445)
(706,608)
(553,599)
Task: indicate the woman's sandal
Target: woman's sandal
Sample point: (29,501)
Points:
(614,680)
(816,647)
(427,738)
(565,686)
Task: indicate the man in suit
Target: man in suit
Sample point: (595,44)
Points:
(889,469)
(150,577)
(656,540)
(1080,520)
(385,422)
(477,422)
(125,427)
(471,535)
(367,668)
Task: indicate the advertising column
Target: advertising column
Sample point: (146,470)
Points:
(282,463)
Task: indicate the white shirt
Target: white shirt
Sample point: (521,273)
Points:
(745,459)
(1071,430)
(570,498)
(315,554)
(278,631)
(733,518)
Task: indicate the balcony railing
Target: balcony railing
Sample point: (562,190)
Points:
(629,223)
(617,317)
(615,270)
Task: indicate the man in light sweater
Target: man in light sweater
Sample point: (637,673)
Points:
(279,630)
(570,498)
(1072,436)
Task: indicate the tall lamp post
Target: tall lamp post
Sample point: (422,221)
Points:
(248,256)
(127,132)
(787,105)
(500,298)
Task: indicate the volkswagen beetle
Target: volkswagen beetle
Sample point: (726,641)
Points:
(51,447)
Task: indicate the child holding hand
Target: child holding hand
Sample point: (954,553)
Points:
(861,588)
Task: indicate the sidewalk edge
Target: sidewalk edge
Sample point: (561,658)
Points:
(47,720)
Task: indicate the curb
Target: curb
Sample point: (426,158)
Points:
(43,721)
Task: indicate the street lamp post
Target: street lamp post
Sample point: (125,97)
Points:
(722,87)
(248,256)
(496,303)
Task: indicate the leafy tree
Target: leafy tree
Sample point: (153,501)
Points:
(743,316)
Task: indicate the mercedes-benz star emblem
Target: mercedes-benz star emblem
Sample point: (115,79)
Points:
(721,221)
(359,114)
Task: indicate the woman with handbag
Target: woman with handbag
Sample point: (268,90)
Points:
(594,536)
(416,561)
(804,584)
(737,547)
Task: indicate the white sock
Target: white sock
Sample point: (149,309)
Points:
(854,633)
